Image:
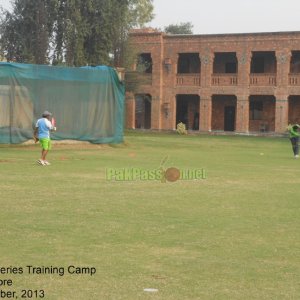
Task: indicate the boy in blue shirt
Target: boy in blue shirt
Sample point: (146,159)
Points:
(42,133)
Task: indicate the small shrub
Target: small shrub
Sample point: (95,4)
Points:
(181,129)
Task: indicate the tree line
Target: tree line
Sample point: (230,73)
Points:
(71,32)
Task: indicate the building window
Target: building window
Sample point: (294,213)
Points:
(256,109)
(263,62)
(230,67)
(188,63)
(295,62)
(225,63)
(258,65)
(144,63)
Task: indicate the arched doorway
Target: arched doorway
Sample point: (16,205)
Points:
(143,111)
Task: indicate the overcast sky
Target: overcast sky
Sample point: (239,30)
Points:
(225,16)
(229,16)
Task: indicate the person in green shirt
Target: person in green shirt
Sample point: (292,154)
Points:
(294,138)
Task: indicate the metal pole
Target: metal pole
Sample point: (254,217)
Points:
(11,111)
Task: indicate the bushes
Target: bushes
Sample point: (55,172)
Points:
(181,128)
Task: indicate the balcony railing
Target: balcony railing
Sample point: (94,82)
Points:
(263,79)
(294,79)
(224,79)
(188,80)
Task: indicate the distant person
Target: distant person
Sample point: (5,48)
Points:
(196,121)
(42,134)
(294,138)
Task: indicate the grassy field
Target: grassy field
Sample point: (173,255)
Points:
(233,235)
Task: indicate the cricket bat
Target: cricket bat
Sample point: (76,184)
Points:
(53,122)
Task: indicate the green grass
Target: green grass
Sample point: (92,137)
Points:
(234,235)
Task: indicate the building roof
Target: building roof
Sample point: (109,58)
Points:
(153,31)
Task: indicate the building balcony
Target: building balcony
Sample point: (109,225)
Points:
(263,79)
(224,80)
(188,80)
(294,79)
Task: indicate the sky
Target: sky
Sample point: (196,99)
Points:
(229,16)
(225,16)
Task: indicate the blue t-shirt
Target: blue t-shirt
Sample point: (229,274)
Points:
(44,127)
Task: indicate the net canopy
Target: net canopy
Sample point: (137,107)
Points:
(87,103)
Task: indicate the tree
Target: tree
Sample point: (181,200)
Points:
(26,32)
(182,28)
(71,32)
(135,14)
(98,34)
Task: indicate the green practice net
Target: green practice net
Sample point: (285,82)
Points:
(87,103)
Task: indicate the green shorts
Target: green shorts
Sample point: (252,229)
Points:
(45,143)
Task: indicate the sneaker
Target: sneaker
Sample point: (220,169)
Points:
(46,163)
(41,162)
(297,156)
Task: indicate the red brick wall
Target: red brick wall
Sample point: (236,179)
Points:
(164,51)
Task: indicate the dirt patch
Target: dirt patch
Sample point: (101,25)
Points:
(132,154)
(64,158)
(7,161)
(159,277)
(65,144)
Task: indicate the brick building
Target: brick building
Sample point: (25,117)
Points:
(213,83)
